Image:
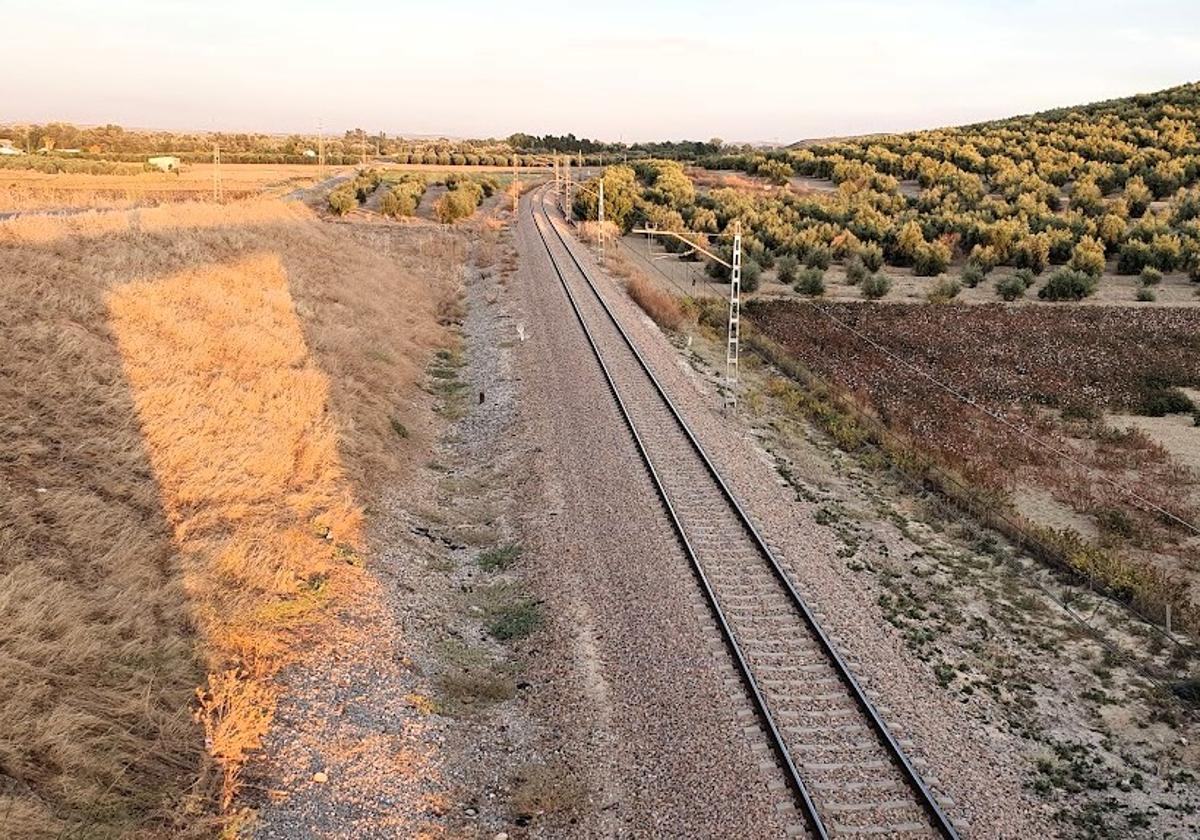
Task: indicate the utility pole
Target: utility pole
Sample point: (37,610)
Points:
(320,152)
(557,177)
(734,330)
(600,218)
(218,191)
(363,135)
(516,186)
(566,207)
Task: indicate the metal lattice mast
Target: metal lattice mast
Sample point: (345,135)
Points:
(600,217)
(734,332)
(218,190)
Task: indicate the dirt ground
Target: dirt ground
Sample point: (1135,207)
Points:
(29,191)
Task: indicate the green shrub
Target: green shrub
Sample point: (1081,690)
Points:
(944,290)
(1133,257)
(856,270)
(1026,276)
(1068,284)
(1010,287)
(1160,400)
(751,276)
(984,257)
(1146,294)
(818,257)
(1151,276)
(458,203)
(972,275)
(1088,257)
(811,281)
(931,260)
(875,286)
(872,256)
(775,171)
(342,200)
(787,269)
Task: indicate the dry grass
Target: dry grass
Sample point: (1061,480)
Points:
(663,307)
(189,408)
(27,190)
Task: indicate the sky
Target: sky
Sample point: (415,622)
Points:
(750,71)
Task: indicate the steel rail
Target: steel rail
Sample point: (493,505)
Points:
(938,818)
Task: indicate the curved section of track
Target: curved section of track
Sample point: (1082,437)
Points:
(849,775)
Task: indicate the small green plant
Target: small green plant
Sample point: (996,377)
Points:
(1115,521)
(515,620)
(875,286)
(811,282)
(499,558)
(399,428)
(1146,295)
(1010,287)
(1151,276)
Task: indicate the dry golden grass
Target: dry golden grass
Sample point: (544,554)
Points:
(187,410)
(663,307)
(27,190)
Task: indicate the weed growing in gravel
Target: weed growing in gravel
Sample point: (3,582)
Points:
(540,789)
(470,678)
(499,558)
(509,613)
(451,392)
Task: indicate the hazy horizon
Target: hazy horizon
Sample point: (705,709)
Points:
(676,71)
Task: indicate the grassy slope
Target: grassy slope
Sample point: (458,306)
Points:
(192,401)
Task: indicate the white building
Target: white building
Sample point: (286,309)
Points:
(167,163)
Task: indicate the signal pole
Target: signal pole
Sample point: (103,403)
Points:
(218,191)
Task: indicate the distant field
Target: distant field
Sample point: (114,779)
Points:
(27,190)
(1054,372)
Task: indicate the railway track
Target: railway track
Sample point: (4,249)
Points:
(848,774)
